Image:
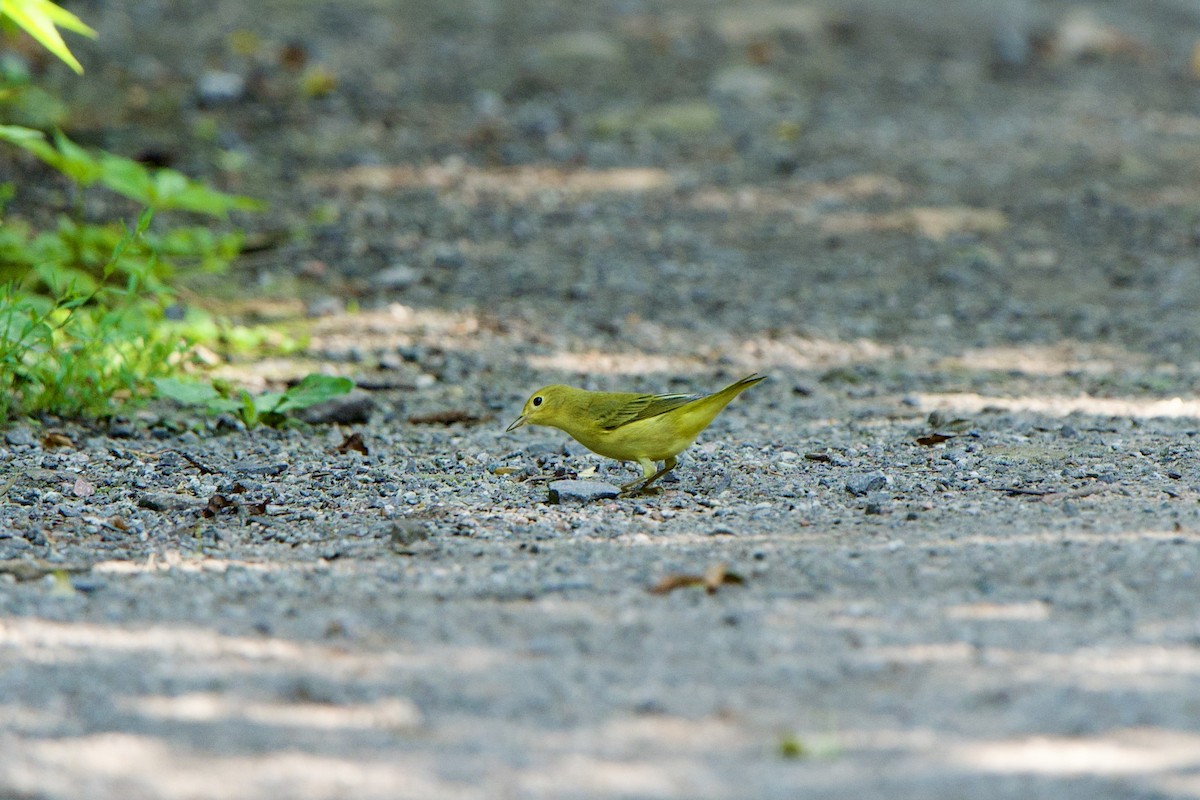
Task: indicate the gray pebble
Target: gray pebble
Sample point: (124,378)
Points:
(169,501)
(121,429)
(447,257)
(859,485)
(581,491)
(87,584)
(218,88)
(405,532)
(20,437)
(396,277)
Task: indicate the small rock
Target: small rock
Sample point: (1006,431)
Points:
(395,278)
(87,584)
(407,532)
(225,422)
(121,429)
(216,88)
(257,468)
(448,257)
(20,437)
(350,409)
(169,501)
(860,485)
(488,104)
(581,491)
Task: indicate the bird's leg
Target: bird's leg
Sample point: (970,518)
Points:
(648,472)
(649,476)
(667,466)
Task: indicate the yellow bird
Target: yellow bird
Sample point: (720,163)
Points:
(628,426)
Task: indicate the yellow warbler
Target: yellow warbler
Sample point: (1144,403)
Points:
(628,426)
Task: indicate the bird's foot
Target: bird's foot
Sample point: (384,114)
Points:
(640,491)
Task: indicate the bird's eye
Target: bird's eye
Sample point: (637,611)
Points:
(537,401)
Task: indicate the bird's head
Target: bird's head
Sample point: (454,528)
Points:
(544,407)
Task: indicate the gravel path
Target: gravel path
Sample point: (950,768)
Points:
(949,549)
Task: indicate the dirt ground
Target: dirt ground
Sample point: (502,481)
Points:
(959,526)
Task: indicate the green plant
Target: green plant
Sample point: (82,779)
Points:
(82,303)
(81,346)
(41,19)
(269,408)
(78,249)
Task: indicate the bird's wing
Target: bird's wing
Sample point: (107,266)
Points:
(642,407)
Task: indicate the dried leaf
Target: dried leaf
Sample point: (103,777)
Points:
(672,582)
(83,487)
(55,439)
(929,440)
(216,504)
(717,575)
(713,578)
(353,442)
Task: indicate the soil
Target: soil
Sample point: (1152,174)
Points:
(949,549)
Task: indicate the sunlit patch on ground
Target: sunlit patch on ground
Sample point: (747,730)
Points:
(458,178)
(1059,406)
(1135,751)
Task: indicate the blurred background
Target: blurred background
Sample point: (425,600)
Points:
(789,184)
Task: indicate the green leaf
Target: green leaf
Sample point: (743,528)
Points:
(75,162)
(174,190)
(15,134)
(39,17)
(63,18)
(312,390)
(31,141)
(269,401)
(161,190)
(249,410)
(127,177)
(187,393)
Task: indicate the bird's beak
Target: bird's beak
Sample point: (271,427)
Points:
(518,423)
